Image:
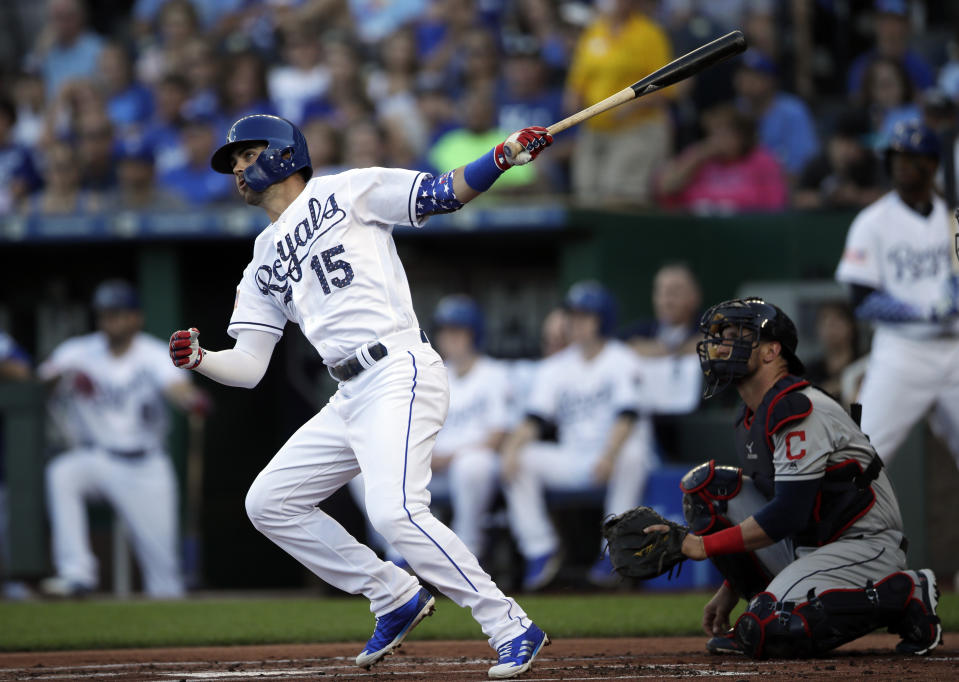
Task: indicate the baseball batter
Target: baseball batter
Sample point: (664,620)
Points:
(591,391)
(808,529)
(108,403)
(898,265)
(327,262)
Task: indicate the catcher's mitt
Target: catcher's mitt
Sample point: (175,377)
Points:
(636,554)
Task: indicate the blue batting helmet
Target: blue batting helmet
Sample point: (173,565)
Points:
(459,310)
(913,137)
(115,294)
(592,297)
(285,154)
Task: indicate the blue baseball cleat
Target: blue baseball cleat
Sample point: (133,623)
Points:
(393,628)
(516,656)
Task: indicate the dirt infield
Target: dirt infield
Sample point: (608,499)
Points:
(666,658)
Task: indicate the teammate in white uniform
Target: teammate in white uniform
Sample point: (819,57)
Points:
(898,261)
(109,404)
(327,262)
(591,391)
(465,458)
(14,366)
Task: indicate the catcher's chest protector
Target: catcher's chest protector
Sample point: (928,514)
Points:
(754,432)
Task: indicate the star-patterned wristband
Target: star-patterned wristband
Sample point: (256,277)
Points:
(482,173)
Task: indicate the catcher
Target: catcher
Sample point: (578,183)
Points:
(808,530)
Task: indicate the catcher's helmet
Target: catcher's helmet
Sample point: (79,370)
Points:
(115,294)
(912,137)
(285,154)
(724,360)
(459,310)
(592,297)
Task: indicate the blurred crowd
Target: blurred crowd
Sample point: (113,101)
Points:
(117,106)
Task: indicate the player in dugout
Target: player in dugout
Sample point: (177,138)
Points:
(809,528)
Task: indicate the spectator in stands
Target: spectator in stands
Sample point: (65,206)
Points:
(948,80)
(941,113)
(529,96)
(838,337)
(479,132)
(785,124)
(176,25)
(244,91)
(65,50)
(591,391)
(436,107)
(888,96)
(726,172)
(95,142)
(891,25)
(62,193)
(29,98)
(324,143)
(162,134)
(364,145)
(18,176)
(136,181)
(202,68)
(194,181)
(617,152)
(375,20)
(129,103)
(14,366)
(301,76)
(672,377)
(391,86)
(539,21)
(345,101)
(847,173)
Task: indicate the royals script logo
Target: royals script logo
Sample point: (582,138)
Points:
(295,246)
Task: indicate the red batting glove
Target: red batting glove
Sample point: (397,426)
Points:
(533,140)
(185,349)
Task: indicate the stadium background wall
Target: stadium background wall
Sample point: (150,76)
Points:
(517,271)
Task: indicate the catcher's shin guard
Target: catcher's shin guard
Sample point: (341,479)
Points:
(707,490)
(776,629)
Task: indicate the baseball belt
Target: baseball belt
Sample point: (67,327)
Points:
(363,359)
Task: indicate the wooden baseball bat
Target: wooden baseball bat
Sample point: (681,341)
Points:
(679,69)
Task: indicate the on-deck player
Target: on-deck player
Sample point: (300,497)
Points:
(327,261)
(590,390)
(108,402)
(809,529)
(898,264)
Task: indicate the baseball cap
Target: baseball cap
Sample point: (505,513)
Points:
(898,7)
(757,61)
(115,294)
(134,149)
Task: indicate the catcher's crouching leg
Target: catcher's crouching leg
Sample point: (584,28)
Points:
(708,490)
(776,629)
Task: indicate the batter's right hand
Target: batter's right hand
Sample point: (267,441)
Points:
(185,348)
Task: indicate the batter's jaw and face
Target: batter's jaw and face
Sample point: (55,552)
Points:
(243,158)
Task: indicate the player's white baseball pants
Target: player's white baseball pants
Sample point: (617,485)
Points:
(470,482)
(905,379)
(545,465)
(142,491)
(382,422)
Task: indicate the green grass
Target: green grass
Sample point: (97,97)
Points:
(118,624)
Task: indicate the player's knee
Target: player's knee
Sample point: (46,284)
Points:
(257,504)
(773,629)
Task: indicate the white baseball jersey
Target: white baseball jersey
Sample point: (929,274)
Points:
(584,397)
(478,406)
(329,263)
(672,384)
(893,248)
(125,410)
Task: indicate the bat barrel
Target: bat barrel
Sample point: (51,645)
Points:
(690,64)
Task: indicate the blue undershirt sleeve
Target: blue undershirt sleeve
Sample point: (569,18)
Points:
(789,510)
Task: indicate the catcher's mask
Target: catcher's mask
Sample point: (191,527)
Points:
(724,356)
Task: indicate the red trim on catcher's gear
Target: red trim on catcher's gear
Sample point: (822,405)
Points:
(772,404)
(712,471)
(728,541)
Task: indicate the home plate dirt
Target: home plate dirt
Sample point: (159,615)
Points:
(659,658)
